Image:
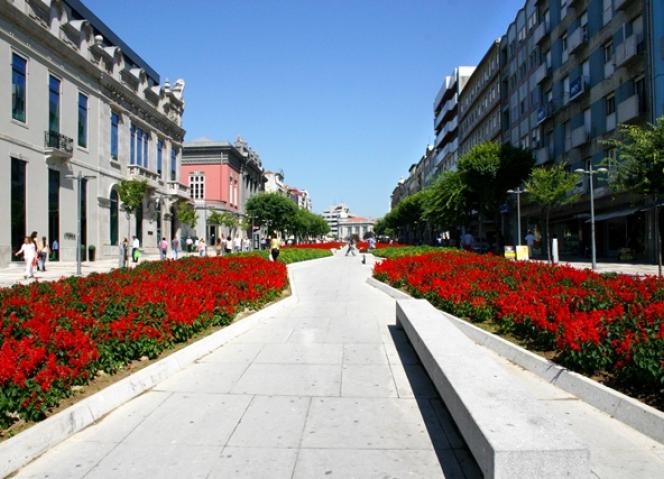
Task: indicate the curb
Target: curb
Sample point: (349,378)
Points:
(641,417)
(26,446)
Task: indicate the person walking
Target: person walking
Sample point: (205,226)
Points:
(274,248)
(42,254)
(351,246)
(530,241)
(190,244)
(218,248)
(55,248)
(175,246)
(123,248)
(467,241)
(201,247)
(29,252)
(135,249)
(163,248)
(228,245)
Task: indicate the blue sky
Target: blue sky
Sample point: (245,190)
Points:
(338,94)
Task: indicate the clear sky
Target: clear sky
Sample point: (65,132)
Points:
(338,94)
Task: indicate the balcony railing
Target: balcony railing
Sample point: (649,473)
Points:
(541,73)
(58,145)
(540,32)
(578,87)
(579,136)
(175,188)
(627,50)
(140,172)
(542,155)
(544,111)
(578,38)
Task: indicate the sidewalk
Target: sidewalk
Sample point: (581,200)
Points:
(327,388)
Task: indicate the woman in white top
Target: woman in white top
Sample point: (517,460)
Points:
(29,252)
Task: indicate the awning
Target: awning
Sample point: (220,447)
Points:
(614,214)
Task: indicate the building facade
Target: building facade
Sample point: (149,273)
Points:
(221,177)
(300,197)
(82,103)
(572,71)
(446,118)
(479,102)
(343,224)
(274,182)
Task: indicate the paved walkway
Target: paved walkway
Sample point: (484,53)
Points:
(330,389)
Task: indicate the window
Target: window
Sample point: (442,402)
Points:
(146,146)
(174,164)
(563,40)
(115,120)
(160,155)
(132,144)
(18,87)
(82,120)
(53,210)
(563,9)
(84,217)
(138,147)
(608,51)
(640,90)
(610,104)
(113,217)
(53,104)
(565,89)
(17,203)
(607,11)
(197,186)
(584,24)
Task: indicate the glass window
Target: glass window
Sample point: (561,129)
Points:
(132,145)
(608,52)
(53,104)
(610,104)
(18,189)
(115,119)
(174,164)
(84,217)
(53,211)
(18,87)
(160,155)
(82,120)
(197,186)
(139,147)
(114,218)
(139,223)
(146,142)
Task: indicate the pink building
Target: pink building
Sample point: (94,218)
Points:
(221,177)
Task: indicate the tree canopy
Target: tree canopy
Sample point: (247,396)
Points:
(186,214)
(132,193)
(272,210)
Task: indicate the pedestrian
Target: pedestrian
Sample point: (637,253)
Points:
(218,248)
(163,248)
(229,245)
(190,244)
(29,252)
(236,245)
(55,249)
(201,247)
(42,254)
(175,246)
(246,245)
(135,249)
(372,243)
(124,249)
(351,246)
(467,241)
(530,241)
(264,242)
(274,247)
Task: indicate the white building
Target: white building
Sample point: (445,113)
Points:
(300,197)
(82,102)
(275,182)
(343,224)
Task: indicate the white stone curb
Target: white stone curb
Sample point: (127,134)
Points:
(645,419)
(27,445)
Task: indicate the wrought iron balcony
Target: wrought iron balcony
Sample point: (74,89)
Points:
(58,145)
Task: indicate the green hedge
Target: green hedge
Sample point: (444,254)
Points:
(294,255)
(398,251)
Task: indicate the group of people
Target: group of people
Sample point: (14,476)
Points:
(34,252)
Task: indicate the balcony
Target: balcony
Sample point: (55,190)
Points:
(58,146)
(175,188)
(541,73)
(578,38)
(540,32)
(544,112)
(610,122)
(609,68)
(579,136)
(141,173)
(626,51)
(628,109)
(620,4)
(578,87)
(542,155)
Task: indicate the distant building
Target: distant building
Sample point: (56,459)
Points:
(221,177)
(300,197)
(274,182)
(343,224)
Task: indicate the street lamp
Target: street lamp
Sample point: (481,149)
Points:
(79,182)
(590,172)
(518,192)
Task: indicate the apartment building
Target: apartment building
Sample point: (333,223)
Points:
(82,102)
(446,118)
(571,72)
(479,102)
(221,176)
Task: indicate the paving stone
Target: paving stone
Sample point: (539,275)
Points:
(308,353)
(255,463)
(208,377)
(233,352)
(81,457)
(290,380)
(364,354)
(367,380)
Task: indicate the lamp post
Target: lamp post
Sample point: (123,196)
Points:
(79,182)
(590,172)
(518,192)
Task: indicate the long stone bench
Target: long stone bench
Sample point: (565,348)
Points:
(510,433)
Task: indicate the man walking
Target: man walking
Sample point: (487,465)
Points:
(175,245)
(135,246)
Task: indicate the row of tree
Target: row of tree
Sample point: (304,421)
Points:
(277,213)
(479,186)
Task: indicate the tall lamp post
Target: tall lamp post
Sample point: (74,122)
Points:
(518,192)
(79,187)
(591,173)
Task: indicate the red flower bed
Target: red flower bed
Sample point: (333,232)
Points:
(594,322)
(59,334)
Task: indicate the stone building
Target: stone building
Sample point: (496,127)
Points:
(82,102)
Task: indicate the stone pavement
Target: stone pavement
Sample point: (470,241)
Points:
(330,388)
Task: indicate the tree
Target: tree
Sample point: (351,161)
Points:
(551,187)
(186,214)
(488,170)
(640,166)
(131,193)
(446,206)
(223,219)
(272,210)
